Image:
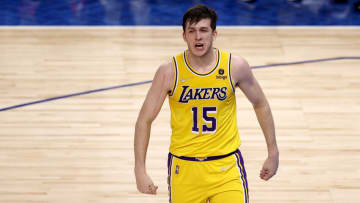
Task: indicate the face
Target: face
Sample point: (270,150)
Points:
(199,37)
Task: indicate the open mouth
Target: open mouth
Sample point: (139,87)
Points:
(199,45)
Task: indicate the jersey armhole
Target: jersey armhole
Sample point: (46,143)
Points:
(230,74)
(171,93)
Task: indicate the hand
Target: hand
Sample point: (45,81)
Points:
(270,167)
(145,184)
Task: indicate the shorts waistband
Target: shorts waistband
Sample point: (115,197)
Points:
(209,158)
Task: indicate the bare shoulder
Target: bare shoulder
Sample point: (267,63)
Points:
(166,68)
(240,69)
(165,75)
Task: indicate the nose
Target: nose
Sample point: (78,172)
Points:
(198,36)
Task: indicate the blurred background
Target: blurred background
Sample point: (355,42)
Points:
(165,12)
(81,149)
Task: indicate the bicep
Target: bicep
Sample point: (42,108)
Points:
(156,95)
(252,90)
(248,84)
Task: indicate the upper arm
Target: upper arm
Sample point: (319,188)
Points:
(244,78)
(160,87)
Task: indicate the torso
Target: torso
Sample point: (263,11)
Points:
(203,108)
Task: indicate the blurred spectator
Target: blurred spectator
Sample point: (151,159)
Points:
(54,12)
(92,13)
(119,13)
(357,6)
(140,6)
(27,11)
(9,13)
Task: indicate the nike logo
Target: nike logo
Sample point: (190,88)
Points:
(184,80)
(226,168)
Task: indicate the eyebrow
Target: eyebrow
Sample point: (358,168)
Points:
(193,27)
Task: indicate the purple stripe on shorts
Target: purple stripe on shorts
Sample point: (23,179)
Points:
(169,163)
(242,162)
(241,166)
(170,160)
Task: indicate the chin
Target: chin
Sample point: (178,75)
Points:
(200,53)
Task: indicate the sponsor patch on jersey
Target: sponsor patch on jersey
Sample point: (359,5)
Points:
(223,77)
(221,71)
(221,74)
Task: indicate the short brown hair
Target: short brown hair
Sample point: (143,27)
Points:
(197,13)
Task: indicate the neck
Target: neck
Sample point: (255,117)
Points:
(203,63)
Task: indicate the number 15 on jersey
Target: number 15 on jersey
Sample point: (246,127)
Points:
(209,121)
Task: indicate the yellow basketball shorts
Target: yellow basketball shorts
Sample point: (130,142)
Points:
(220,179)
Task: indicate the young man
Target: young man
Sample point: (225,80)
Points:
(204,162)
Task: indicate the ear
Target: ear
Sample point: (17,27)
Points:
(184,36)
(215,34)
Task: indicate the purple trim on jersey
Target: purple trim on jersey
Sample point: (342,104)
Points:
(202,74)
(176,77)
(231,83)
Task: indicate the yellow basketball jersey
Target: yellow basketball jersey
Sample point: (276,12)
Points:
(203,109)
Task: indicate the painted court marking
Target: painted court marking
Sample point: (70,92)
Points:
(149,81)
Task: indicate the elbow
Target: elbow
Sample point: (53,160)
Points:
(260,104)
(143,122)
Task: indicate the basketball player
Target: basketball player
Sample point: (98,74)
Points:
(204,163)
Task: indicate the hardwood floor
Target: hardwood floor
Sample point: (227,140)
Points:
(80,149)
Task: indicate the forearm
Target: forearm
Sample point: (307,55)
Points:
(266,121)
(141,142)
